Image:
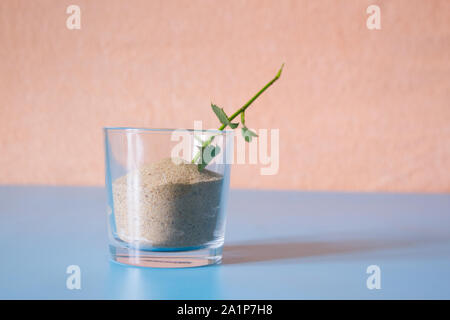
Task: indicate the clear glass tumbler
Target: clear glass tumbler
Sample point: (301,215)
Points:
(166,209)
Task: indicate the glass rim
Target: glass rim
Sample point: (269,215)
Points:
(164,130)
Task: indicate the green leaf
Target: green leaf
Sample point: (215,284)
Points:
(223,118)
(248,134)
(221,115)
(251,133)
(215,151)
(208,154)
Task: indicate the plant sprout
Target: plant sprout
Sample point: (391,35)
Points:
(210,150)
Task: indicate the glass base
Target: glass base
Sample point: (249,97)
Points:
(166,259)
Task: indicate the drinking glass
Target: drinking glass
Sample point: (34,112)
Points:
(164,209)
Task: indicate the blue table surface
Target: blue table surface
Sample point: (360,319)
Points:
(279,245)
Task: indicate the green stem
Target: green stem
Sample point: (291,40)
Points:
(245,106)
(240,110)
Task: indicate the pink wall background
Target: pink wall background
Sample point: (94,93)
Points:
(357,109)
